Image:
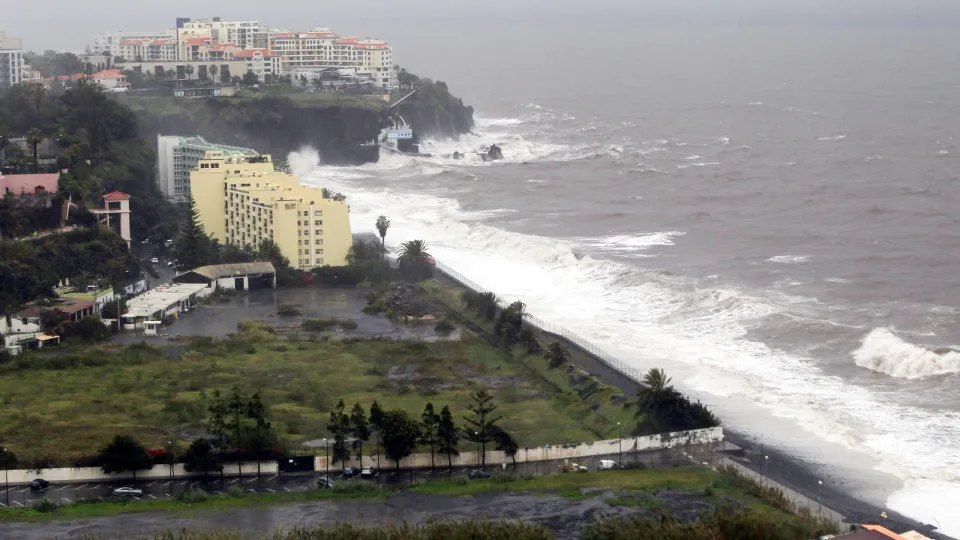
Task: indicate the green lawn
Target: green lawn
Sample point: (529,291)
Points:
(80,401)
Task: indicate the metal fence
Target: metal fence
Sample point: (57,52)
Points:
(551,328)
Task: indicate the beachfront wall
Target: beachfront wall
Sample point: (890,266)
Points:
(649,443)
(158,472)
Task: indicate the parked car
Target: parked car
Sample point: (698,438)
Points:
(350,472)
(127,492)
(39,484)
(155,260)
(572,467)
(479,473)
(607,464)
(369,472)
(324,483)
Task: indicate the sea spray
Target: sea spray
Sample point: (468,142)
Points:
(884,351)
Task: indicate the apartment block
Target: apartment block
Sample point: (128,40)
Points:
(321,49)
(177,155)
(147,50)
(245,34)
(244,201)
(112,42)
(11,61)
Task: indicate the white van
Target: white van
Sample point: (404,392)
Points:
(607,464)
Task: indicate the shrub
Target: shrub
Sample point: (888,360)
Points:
(323,325)
(234,491)
(44,505)
(354,486)
(288,310)
(460,481)
(505,478)
(193,495)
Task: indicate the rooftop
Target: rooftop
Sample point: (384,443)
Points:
(26,184)
(203,144)
(217,271)
(116,196)
(246,53)
(164,296)
(68,306)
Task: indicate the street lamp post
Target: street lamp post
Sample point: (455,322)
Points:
(620,459)
(6,475)
(478,449)
(819,496)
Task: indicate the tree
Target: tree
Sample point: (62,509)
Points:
(448,435)
(400,435)
(236,406)
(250,78)
(339,427)
(91,328)
(360,429)
(260,440)
(509,325)
(556,354)
(661,408)
(201,458)
(225,76)
(359,252)
(34,138)
(188,69)
(382,225)
(415,262)
(376,420)
(480,427)
(125,454)
(429,431)
(268,250)
(194,248)
(505,442)
(217,425)
(213,72)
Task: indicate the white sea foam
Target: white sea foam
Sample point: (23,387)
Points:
(925,500)
(480,122)
(788,259)
(832,138)
(884,351)
(697,331)
(639,242)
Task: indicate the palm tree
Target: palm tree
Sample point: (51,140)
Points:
(415,262)
(382,225)
(655,390)
(188,69)
(213,72)
(556,354)
(657,381)
(325,193)
(360,251)
(4,143)
(34,138)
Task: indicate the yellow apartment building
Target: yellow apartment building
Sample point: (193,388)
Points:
(242,200)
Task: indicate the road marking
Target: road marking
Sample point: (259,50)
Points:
(182,483)
(270,490)
(272,477)
(3,505)
(218,492)
(15,502)
(167,483)
(63,488)
(151,483)
(151,496)
(251,490)
(68,500)
(234,481)
(286,489)
(81,487)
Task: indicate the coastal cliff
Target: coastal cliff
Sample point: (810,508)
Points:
(340,128)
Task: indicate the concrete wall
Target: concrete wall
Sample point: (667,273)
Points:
(94,474)
(545,453)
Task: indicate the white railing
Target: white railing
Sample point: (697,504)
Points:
(612,361)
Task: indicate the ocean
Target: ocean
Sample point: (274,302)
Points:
(769,213)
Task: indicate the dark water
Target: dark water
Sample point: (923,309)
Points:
(766,212)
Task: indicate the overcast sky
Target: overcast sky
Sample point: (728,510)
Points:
(71,24)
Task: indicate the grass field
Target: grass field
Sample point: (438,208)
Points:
(70,404)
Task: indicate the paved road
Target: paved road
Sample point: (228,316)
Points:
(63,493)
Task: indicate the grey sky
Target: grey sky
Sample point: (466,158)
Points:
(70,24)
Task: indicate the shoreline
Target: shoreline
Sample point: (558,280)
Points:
(789,471)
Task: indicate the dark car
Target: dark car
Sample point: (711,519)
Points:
(324,483)
(479,473)
(39,484)
(350,472)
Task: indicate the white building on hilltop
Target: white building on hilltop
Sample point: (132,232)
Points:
(11,61)
(245,34)
(321,49)
(113,42)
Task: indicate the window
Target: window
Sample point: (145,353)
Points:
(319,232)
(318,222)
(318,213)
(299,233)
(319,252)
(319,241)
(298,224)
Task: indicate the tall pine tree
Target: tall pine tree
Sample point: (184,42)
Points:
(194,248)
(448,435)
(480,428)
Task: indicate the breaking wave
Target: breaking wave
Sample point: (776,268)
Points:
(885,352)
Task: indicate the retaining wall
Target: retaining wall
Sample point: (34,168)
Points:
(95,474)
(660,441)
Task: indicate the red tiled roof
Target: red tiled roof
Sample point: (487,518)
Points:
(224,46)
(248,53)
(19,184)
(161,42)
(108,74)
(199,41)
(376,45)
(116,196)
(348,41)
(132,42)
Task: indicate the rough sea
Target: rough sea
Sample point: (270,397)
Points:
(769,213)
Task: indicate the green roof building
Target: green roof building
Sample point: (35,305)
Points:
(177,155)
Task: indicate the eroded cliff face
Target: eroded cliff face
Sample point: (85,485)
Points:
(434,111)
(274,125)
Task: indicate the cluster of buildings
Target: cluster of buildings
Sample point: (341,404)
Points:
(243,200)
(11,61)
(218,49)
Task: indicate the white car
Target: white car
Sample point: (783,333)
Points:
(155,260)
(127,492)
